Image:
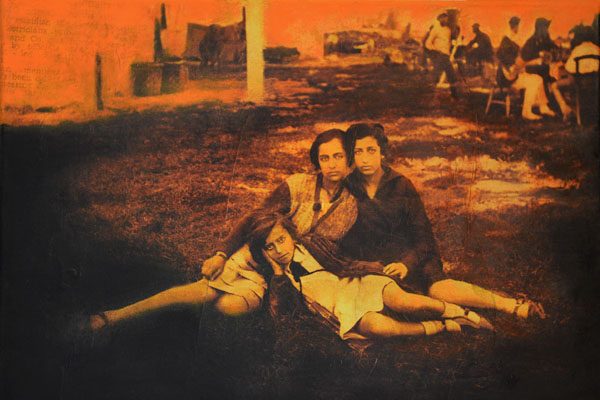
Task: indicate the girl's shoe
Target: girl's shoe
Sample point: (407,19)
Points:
(526,309)
(471,319)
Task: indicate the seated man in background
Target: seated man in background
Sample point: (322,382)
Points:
(538,52)
(511,73)
(479,49)
(583,45)
(583,64)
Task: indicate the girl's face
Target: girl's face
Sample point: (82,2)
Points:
(332,160)
(280,245)
(367,155)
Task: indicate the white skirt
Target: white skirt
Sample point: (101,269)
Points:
(345,299)
(241,279)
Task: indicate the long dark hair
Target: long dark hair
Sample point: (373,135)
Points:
(261,226)
(326,137)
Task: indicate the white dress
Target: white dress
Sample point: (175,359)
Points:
(239,277)
(341,301)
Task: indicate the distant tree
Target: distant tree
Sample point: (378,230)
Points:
(163,16)
(390,22)
(406,34)
(158,48)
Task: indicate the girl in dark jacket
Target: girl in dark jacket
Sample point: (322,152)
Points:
(392,227)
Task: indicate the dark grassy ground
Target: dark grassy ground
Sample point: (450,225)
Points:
(100,214)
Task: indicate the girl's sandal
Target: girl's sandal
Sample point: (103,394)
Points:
(98,317)
(84,332)
(526,309)
(471,319)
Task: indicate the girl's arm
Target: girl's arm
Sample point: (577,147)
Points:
(327,254)
(283,296)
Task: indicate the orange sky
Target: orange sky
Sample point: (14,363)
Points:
(48,47)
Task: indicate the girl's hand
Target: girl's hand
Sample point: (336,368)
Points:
(277,270)
(396,268)
(212,267)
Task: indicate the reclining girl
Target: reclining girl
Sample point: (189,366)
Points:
(317,203)
(240,286)
(354,304)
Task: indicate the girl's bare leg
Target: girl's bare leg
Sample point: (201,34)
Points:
(467,294)
(192,294)
(374,324)
(234,306)
(402,301)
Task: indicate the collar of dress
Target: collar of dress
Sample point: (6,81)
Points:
(356,179)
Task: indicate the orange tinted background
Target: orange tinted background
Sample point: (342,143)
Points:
(48,47)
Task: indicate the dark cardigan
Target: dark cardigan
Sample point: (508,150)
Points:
(393,227)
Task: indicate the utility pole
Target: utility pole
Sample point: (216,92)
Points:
(99,102)
(255,62)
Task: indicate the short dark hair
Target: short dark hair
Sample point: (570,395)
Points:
(326,137)
(514,21)
(582,33)
(541,23)
(363,130)
(261,224)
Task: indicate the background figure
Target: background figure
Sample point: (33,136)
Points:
(583,44)
(511,73)
(538,52)
(439,44)
(426,57)
(585,70)
(513,30)
(509,47)
(479,49)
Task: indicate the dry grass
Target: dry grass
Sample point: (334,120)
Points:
(137,201)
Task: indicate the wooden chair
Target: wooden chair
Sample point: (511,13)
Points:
(584,82)
(501,95)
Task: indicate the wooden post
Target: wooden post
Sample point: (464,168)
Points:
(99,102)
(158,49)
(163,16)
(255,62)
